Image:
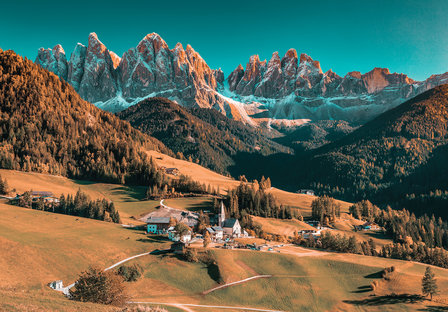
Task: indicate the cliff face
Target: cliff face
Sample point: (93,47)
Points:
(288,87)
(295,87)
(151,68)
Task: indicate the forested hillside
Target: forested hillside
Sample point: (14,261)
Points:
(201,134)
(46,127)
(399,158)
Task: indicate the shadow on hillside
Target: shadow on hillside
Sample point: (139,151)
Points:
(362,289)
(129,193)
(383,300)
(285,170)
(378,235)
(378,274)
(434,309)
(205,205)
(154,239)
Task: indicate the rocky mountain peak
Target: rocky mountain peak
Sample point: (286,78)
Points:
(308,66)
(235,77)
(115,59)
(54,60)
(289,63)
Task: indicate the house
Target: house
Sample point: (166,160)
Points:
(310,233)
(306,192)
(216,232)
(172,171)
(369,226)
(190,219)
(56,285)
(157,225)
(176,237)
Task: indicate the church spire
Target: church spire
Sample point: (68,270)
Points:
(222,215)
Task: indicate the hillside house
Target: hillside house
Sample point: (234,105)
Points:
(310,233)
(41,194)
(306,192)
(172,171)
(157,225)
(216,232)
(56,285)
(176,237)
(369,226)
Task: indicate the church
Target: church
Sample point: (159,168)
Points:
(231,227)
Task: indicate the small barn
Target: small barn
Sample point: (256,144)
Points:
(56,285)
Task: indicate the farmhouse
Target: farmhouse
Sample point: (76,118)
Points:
(306,192)
(216,232)
(157,225)
(369,226)
(172,171)
(176,237)
(310,233)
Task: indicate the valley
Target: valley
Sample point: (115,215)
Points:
(156,178)
(62,246)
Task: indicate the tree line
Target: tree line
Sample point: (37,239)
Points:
(254,199)
(79,205)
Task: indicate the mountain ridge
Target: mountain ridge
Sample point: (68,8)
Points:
(290,88)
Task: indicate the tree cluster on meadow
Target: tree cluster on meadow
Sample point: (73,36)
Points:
(79,205)
(256,200)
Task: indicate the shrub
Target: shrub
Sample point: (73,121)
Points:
(98,286)
(130,273)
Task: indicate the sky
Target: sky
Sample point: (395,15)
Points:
(405,36)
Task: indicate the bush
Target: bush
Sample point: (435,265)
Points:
(191,255)
(98,286)
(130,273)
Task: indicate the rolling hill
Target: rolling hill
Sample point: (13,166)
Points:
(47,247)
(199,133)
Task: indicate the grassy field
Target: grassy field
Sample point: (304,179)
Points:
(191,203)
(39,247)
(281,227)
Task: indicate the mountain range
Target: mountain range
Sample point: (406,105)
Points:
(290,90)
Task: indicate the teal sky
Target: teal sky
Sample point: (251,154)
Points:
(405,36)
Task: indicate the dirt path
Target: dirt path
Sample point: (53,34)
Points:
(66,290)
(236,283)
(186,305)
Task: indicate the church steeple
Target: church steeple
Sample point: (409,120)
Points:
(222,215)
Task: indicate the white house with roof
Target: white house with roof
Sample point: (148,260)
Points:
(216,232)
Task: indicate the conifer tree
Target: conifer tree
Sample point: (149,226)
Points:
(429,283)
